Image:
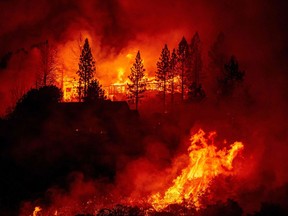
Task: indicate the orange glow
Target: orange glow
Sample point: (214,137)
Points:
(111,72)
(205,163)
(112,69)
(37,209)
(129,56)
(191,177)
(68,57)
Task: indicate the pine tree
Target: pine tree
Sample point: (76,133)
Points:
(86,69)
(137,78)
(196,58)
(217,59)
(183,60)
(172,74)
(95,91)
(231,76)
(163,68)
(195,90)
(217,54)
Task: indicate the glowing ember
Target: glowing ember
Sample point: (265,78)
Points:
(205,163)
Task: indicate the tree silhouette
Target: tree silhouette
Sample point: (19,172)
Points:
(196,58)
(37,101)
(95,91)
(48,65)
(230,77)
(86,70)
(172,74)
(183,60)
(163,68)
(138,83)
(217,54)
(228,208)
(195,90)
(217,60)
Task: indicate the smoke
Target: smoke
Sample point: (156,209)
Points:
(255,32)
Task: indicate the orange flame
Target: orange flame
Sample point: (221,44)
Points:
(205,163)
(37,209)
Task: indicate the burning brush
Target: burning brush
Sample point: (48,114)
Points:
(204,163)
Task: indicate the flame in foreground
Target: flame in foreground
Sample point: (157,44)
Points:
(205,163)
(37,209)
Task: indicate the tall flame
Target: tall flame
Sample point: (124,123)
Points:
(205,163)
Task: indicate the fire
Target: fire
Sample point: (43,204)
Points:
(37,209)
(120,74)
(205,163)
(129,56)
(112,71)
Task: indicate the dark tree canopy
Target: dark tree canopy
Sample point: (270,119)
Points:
(183,50)
(195,90)
(138,81)
(231,76)
(196,58)
(86,69)
(217,54)
(232,71)
(183,55)
(37,100)
(95,91)
(217,59)
(162,73)
(163,64)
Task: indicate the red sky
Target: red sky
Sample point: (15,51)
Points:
(255,32)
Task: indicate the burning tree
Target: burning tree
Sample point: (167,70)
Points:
(138,85)
(86,70)
(163,68)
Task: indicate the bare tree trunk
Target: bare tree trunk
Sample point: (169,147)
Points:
(85,85)
(182,82)
(136,95)
(172,91)
(164,96)
(197,71)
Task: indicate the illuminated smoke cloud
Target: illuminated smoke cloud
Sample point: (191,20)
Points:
(255,33)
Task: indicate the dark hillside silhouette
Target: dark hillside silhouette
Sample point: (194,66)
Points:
(44,140)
